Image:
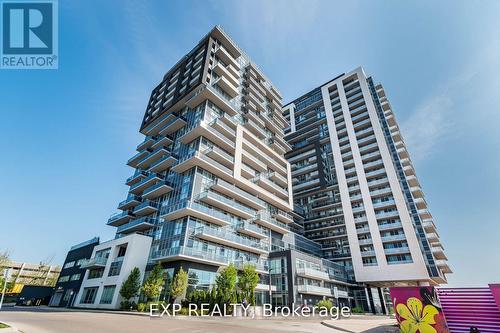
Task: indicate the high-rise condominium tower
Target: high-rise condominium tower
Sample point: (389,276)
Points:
(353,177)
(211,184)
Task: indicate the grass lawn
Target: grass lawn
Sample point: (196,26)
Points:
(2,325)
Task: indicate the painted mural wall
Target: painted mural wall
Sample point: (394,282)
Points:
(418,310)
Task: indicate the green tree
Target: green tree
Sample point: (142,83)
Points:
(247,282)
(154,283)
(226,282)
(179,284)
(131,286)
(4,262)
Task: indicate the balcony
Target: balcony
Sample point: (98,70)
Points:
(263,181)
(232,240)
(163,124)
(381,192)
(173,125)
(137,176)
(314,290)
(96,262)
(210,93)
(306,184)
(278,179)
(282,216)
(253,161)
(157,190)
(220,124)
(278,147)
(182,252)
(226,57)
(374,173)
(146,208)
(120,218)
(227,86)
(397,250)
(197,210)
(369,253)
(148,141)
(161,141)
(130,202)
(226,204)
(145,183)
(265,220)
(223,71)
(154,156)
(393,238)
(382,215)
(429,225)
(237,193)
(438,252)
(432,237)
(199,159)
(163,163)
(420,202)
(424,214)
(142,224)
(443,265)
(209,132)
(220,156)
(389,226)
(251,230)
(365,241)
(312,273)
(387,203)
(134,160)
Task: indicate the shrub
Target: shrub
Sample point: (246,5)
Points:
(142,307)
(325,304)
(357,310)
(127,305)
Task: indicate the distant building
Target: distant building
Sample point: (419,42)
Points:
(22,274)
(35,295)
(72,273)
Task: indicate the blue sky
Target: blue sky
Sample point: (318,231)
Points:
(66,134)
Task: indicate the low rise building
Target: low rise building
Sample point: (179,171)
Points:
(72,273)
(110,264)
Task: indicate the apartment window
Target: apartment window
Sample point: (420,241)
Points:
(88,296)
(96,273)
(107,294)
(75,277)
(64,278)
(79,262)
(121,251)
(115,268)
(178,227)
(69,264)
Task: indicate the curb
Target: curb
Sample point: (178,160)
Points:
(335,327)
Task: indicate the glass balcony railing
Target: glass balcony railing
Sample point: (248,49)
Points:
(227,201)
(145,221)
(251,227)
(94,262)
(390,238)
(229,236)
(198,207)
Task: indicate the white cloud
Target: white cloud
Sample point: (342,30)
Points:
(428,127)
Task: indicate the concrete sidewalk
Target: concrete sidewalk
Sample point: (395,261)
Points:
(364,324)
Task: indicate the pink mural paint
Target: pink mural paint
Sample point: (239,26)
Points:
(471,309)
(418,310)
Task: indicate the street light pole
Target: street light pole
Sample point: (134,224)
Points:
(5,275)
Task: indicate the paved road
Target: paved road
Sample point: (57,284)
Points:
(49,320)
